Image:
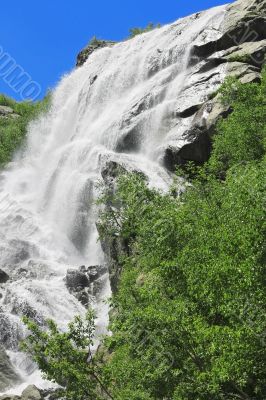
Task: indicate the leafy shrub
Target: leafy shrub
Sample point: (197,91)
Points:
(138,31)
(242,136)
(66,358)
(13,130)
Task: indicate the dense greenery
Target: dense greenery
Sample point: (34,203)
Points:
(138,31)
(13,129)
(189,318)
(65,357)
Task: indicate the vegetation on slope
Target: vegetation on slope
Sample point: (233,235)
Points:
(189,318)
(13,130)
(138,31)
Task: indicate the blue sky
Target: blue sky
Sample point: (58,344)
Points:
(44,36)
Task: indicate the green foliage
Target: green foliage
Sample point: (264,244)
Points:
(191,302)
(138,31)
(242,136)
(65,357)
(13,129)
(190,319)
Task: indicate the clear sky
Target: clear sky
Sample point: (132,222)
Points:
(44,36)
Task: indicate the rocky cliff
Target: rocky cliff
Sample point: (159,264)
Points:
(239,50)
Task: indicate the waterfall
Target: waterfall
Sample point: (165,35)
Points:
(120,106)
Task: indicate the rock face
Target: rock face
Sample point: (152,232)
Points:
(31,393)
(241,51)
(85,282)
(93,45)
(3,276)
(7,374)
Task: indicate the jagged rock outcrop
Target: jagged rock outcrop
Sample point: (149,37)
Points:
(3,276)
(244,21)
(94,44)
(85,282)
(241,52)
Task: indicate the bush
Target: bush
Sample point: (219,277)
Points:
(13,130)
(66,358)
(138,31)
(241,137)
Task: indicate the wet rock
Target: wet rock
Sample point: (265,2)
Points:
(94,45)
(8,376)
(110,171)
(19,251)
(10,333)
(31,393)
(210,113)
(197,138)
(20,306)
(3,276)
(78,284)
(76,279)
(252,53)
(85,282)
(130,141)
(197,149)
(244,22)
(239,69)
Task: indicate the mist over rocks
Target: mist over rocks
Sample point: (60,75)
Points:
(8,376)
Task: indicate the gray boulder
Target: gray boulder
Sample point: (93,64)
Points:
(31,393)
(244,22)
(76,279)
(3,276)
(251,52)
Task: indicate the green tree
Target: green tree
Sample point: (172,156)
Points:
(66,359)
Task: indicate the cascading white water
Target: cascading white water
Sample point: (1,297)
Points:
(118,106)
